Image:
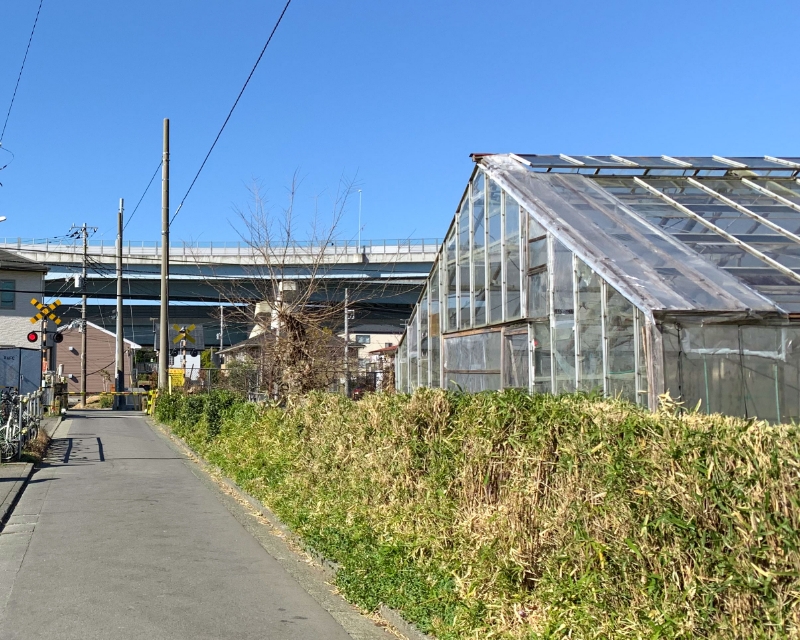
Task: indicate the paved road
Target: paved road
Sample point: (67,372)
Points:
(119,538)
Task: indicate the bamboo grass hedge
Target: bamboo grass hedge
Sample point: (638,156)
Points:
(505,515)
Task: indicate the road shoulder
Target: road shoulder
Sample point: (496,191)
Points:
(313,574)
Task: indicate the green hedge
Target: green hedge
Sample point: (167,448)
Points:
(507,515)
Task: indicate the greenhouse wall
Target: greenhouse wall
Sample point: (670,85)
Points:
(744,370)
(508,305)
(637,277)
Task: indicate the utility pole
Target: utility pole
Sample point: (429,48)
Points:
(221,324)
(163,337)
(85,235)
(346,343)
(120,384)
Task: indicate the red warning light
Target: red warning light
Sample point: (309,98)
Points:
(33,336)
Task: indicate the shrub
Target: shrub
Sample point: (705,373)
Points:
(508,515)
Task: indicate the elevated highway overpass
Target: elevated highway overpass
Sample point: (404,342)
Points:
(385,277)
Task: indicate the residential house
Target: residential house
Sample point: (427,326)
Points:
(100,358)
(20,281)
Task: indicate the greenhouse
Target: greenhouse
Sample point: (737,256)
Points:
(627,276)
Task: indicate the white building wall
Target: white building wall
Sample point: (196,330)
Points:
(15,323)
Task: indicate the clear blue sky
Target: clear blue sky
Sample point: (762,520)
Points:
(398,92)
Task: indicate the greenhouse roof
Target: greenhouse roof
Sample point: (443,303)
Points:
(678,235)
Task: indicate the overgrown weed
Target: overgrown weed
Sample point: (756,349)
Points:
(506,515)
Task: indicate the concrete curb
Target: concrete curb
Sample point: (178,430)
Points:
(23,472)
(389,616)
(26,471)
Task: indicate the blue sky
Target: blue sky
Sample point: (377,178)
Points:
(398,94)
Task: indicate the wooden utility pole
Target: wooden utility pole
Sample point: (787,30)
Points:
(346,343)
(120,379)
(163,336)
(85,234)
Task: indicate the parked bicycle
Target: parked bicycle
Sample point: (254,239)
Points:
(21,417)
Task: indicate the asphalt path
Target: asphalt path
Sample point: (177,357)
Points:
(117,536)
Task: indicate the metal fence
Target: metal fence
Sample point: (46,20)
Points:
(21,416)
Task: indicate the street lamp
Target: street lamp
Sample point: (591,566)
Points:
(359,220)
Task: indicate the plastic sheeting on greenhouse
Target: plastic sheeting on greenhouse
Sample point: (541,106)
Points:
(629,276)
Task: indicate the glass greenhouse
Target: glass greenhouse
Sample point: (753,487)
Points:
(630,276)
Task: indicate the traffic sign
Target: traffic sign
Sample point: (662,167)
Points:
(184,333)
(179,339)
(45,311)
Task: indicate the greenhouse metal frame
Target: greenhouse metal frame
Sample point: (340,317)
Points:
(628,276)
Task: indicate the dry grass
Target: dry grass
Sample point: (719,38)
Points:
(506,515)
(36,449)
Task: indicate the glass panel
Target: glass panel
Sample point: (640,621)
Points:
(542,375)
(413,360)
(589,329)
(402,367)
(477,352)
(789,409)
(671,340)
(479,248)
(474,382)
(563,319)
(513,270)
(535,230)
(452,292)
(464,322)
(423,341)
(621,367)
(515,368)
(642,360)
(435,331)
(7,292)
(712,369)
(537,295)
(495,301)
(537,253)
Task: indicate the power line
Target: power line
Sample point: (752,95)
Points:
(144,194)
(14,95)
(230,113)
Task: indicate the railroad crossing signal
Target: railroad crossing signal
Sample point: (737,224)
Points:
(45,311)
(184,333)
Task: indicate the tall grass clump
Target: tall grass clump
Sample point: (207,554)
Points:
(506,515)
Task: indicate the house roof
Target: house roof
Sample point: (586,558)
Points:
(674,235)
(377,328)
(130,343)
(12,262)
(384,350)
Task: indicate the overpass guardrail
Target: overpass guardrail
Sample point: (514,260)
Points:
(99,246)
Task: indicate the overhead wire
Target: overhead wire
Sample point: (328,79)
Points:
(143,195)
(19,76)
(230,113)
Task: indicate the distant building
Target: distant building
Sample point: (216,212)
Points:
(20,281)
(365,338)
(100,358)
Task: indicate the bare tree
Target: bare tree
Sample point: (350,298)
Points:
(290,297)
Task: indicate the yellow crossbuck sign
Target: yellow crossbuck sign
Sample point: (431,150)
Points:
(45,311)
(184,333)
